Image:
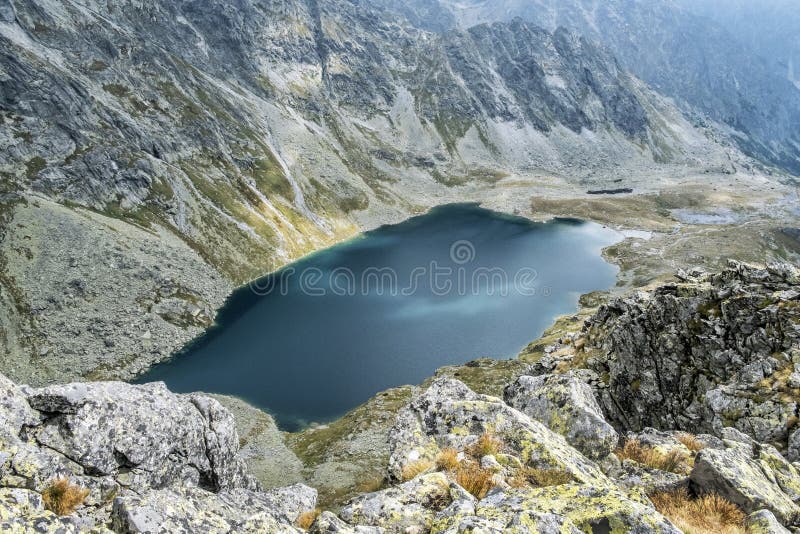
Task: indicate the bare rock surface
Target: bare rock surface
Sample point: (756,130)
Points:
(146,434)
(708,352)
(753,476)
(191,510)
(148,461)
(566,405)
(450,415)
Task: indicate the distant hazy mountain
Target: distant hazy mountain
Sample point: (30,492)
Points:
(771,28)
(727,67)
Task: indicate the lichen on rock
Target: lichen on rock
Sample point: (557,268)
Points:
(567,406)
(753,476)
(147,459)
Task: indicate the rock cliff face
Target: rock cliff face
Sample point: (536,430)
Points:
(709,352)
(229,138)
(727,61)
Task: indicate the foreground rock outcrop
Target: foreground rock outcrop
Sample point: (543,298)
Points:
(566,405)
(752,475)
(708,352)
(530,479)
(450,415)
(148,461)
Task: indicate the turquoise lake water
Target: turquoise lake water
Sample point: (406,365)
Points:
(321,336)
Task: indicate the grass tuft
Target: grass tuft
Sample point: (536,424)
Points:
(372,485)
(447,460)
(474,479)
(708,514)
(62,498)
(487,444)
(673,461)
(691,442)
(413,469)
(306,519)
(539,478)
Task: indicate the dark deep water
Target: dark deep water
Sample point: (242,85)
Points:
(324,334)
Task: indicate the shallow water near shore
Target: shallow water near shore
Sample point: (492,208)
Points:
(321,336)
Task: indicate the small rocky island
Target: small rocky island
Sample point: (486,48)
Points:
(672,410)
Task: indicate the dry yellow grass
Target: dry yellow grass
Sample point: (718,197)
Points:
(474,479)
(447,460)
(413,469)
(540,478)
(371,485)
(486,444)
(792,422)
(306,519)
(62,498)
(691,442)
(673,461)
(708,514)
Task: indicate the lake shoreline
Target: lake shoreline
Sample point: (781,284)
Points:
(514,227)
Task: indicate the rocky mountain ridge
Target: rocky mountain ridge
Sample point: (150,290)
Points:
(717,59)
(712,351)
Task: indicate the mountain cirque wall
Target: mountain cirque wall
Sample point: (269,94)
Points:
(726,64)
(154,155)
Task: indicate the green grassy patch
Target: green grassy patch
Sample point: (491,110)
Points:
(34,166)
(116,89)
(25,136)
(98,66)
(486,175)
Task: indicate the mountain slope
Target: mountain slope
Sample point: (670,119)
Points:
(683,55)
(770,28)
(166,151)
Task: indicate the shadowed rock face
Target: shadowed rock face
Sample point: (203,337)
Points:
(709,352)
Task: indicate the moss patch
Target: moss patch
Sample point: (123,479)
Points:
(357,443)
(116,89)
(34,166)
